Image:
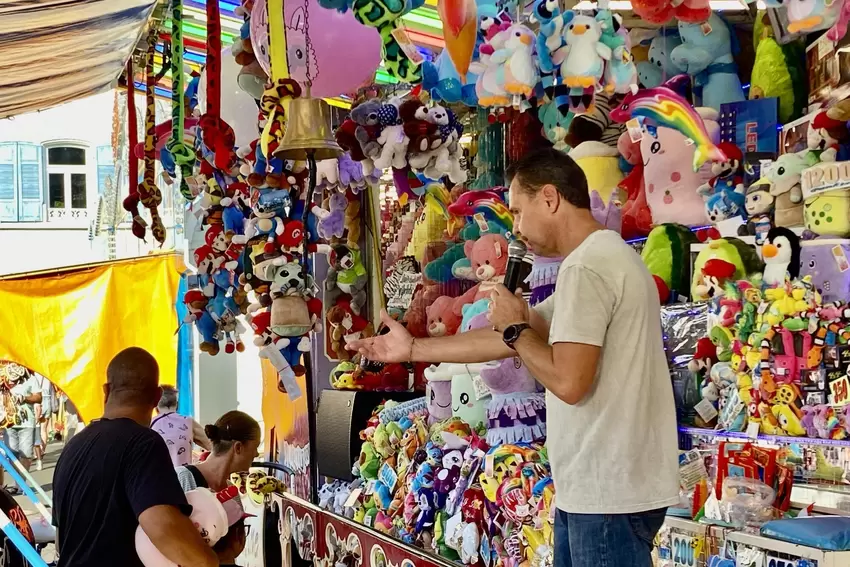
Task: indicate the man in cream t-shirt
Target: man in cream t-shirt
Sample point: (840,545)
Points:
(614,451)
(596,347)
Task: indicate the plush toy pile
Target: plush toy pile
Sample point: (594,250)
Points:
(445,488)
(776,351)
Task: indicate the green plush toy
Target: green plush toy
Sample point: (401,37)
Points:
(778,71)
(666,254)
(370,461)
(735,251)
(381,441)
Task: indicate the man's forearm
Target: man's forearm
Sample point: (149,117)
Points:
(480,345)
(174,535)
(538,355)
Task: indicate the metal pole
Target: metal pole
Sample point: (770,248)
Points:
(10,456)
(20,542)
(308,359)
(42,509)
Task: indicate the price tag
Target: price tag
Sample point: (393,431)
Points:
(706,410)
(388,476)
(684,550)
(840,391)
(753,429)
(352,498)
(481,388)
(634,129)
(407,45)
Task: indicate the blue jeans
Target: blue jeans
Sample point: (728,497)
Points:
(606,540)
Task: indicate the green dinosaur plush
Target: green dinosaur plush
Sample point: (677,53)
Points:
(381,441)
(370,461)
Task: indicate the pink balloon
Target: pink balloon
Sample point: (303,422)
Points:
(334,51)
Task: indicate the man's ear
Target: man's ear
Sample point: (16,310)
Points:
(551,197)
(105,393)
(157,395)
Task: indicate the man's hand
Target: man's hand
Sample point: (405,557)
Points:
(507,309)
(174,535)
(394,346)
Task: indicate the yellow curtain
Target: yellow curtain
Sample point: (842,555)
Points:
(68,325)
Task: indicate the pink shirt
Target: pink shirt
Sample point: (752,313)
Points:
(177,432)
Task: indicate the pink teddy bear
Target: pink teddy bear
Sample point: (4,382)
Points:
(488,257)
(442,318)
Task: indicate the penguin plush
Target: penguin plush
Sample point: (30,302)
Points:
(781,253)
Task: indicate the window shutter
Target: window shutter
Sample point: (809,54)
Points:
(105,167)
(31,181)
(8,174)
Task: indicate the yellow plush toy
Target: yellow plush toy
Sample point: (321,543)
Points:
(601,165)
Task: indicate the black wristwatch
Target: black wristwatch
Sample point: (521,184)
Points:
(512,332)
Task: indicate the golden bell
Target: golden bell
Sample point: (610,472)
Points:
(308,132)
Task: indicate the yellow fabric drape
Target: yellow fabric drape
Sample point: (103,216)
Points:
(68,326)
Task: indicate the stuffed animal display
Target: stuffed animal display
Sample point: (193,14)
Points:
(441,486)
(402,134)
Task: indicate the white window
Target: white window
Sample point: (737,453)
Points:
(67,182)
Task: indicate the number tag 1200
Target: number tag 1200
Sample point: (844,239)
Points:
(684,549)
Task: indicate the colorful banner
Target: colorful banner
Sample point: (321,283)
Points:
(287,436)
(68,325)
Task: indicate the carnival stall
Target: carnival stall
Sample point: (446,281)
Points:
(714,138)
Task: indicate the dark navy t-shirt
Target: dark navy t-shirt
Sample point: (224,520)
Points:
(107,475)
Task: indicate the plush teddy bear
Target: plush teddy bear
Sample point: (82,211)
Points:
(442,319)
(345,325)
(392,139)
(423,134)
(346,137)
(488,257)
(367,117)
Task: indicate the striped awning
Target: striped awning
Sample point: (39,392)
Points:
(55,51)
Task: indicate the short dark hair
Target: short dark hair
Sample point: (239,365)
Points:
(551,167)
(231,427)
(133,369)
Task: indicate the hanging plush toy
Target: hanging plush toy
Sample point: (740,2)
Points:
(806,15)
(706,54)
(348,274)
(490,86)
(620,71)
(520,65)
(662,11)
(778,71)
(659,66)
(582,60)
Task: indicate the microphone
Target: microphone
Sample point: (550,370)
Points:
(516,252)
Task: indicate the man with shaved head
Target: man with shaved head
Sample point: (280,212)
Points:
(116,475)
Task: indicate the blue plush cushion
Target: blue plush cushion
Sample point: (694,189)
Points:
(829,532)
